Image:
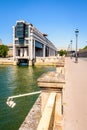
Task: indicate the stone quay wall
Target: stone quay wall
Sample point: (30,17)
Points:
(6,61)
(47,113)
(38,61)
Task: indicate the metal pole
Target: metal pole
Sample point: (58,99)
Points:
(76,56)
(10,101)
(76,47)
(71,49)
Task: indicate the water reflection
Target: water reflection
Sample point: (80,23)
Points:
(17,80)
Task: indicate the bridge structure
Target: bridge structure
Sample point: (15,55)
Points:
(29,43)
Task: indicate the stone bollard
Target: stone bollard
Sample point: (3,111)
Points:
(52,82)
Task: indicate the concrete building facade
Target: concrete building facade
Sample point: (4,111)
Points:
(29,43)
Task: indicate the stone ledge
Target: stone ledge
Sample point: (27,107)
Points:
(32,120)
(52,77)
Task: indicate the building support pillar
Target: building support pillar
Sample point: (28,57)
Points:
(21,52)
(44,50)
(31,49)
(49,51)
(34,49)
(13,43)
(25,52)
(31,52)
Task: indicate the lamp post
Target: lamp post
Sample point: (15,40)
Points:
(68,50)
(76,57)
(71,48)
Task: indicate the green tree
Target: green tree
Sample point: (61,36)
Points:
(62,52)
(85,48)
(3,50)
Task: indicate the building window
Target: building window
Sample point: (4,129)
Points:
(16,42)
(21,40)
(47,51)
(27,41)
(26,30)
(38,44)
(19,30)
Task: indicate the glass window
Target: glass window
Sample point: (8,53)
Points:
(19,30)
(47,51)
(27,42)
(16,42)
(26,31)
(21,40)
(38,44)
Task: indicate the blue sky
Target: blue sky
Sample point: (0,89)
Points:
(57,18)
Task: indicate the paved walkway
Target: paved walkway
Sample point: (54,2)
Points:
(75,95)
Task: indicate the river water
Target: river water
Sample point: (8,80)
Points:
(17,80)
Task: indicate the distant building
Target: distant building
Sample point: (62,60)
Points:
(82,53)
(62,48)
(29,43)
(10,52)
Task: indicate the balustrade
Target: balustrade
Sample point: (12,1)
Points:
(51,85)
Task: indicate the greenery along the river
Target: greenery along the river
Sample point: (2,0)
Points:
(3,50)
(17,80)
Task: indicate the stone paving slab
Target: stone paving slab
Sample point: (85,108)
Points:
(75,95)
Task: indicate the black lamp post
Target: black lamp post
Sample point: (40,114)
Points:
(76,57)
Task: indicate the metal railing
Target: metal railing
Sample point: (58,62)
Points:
(10,101)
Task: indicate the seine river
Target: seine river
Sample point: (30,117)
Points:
(17,80)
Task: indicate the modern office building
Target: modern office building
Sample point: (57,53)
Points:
(29,43)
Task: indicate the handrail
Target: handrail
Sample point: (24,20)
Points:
(10,101)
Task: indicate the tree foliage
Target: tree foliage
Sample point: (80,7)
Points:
(62,52)
(85,48)
(3,50)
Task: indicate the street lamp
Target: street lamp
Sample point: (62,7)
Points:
(68,50)
(76,57)
(71,48)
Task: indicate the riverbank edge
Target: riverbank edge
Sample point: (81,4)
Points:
(11,62)
(6,61)
(32,119)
